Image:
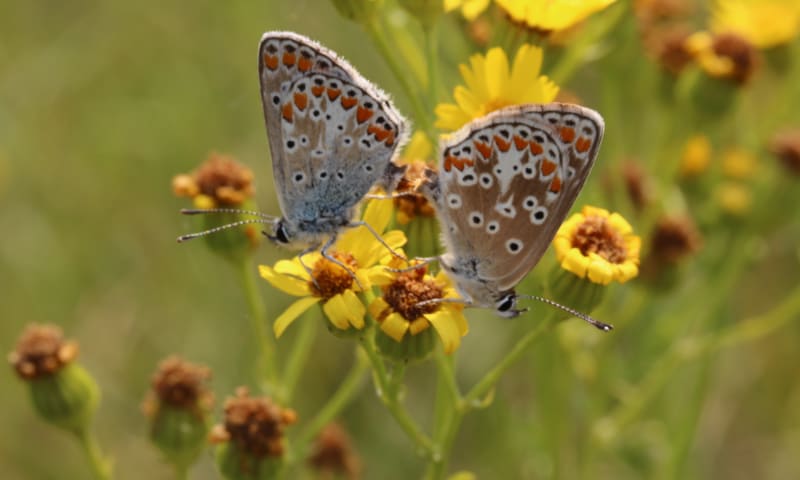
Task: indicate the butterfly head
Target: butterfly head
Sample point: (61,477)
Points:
(281,234)
(506,305)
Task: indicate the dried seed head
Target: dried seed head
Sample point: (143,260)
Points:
(182,385)
(674,239)
(786,146)
(408,289)
(333,453)
(42,351)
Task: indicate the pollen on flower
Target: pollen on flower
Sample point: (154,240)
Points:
(596,235)
(41,351)
(254,424)
(330,278)
(406,292)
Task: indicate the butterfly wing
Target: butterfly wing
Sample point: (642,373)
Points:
(332,134)
(508,180)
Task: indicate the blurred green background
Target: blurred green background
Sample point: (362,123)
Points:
(101,103)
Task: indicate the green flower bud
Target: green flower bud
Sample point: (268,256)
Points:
(62,392)
(578,293)
(178,408)
(411,348)
(251,440)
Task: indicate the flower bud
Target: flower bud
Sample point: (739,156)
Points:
(333,454)
(178,407)
(62,392)
(251,441)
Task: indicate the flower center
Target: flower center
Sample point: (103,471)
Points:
(332,279)
(595,235)
(408,290)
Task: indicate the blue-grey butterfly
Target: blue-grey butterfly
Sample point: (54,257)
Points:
(504,185)
(332,135)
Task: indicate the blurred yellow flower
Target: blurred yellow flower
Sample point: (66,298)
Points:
(724,55)
(335,287)
(398,311)
(764,23)
(597,245)
(491,84)
(696,156)
(738,163)
(469,8)
(734,198)
(551,15)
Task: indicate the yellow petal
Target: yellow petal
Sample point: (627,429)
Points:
(620,224)
(378,214)
(290,285)
(377,307)
(496,72)
(625,272)
(342,311)
(295,310)
(447,328)
(294,268)
(575,262)
(395,326)
(599,270)
(380,276)
(418,325)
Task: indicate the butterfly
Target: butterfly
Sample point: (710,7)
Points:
(504,184)
(332,136)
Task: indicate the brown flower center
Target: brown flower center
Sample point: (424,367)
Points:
(741,52)
(225,180)
(674,239)
(596,235)
(182,384)
(42,351)
(332,279)
(333,453)
(786,147)
(416,204)
(256,424)
(409,289)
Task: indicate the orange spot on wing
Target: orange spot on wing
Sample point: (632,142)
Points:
(536,149)
(349,102)
(520,142)
(288,112)
(502,144)
(301,100)
(333,93)
(380,133)
(583,144)
(304,64)
(484,149)
(567,134)
(547,167)
(363,114)
(390,140)
(289,59)
(271,61)
(555,185)
(317,90)
(448,163)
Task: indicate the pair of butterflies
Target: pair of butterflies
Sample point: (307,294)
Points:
(504,185)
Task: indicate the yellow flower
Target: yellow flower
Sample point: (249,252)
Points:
(598,245)
(491,84)
(335,287)
(696,156)
(724,55)
(551,15)
(764,23)
(734,198)
(398,311)
(469,8)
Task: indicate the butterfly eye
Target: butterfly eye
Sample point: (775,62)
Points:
(506,305)
(280,235)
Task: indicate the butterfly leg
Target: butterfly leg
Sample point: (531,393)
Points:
(361,223)
(308,269)
(332,259)
(417,262)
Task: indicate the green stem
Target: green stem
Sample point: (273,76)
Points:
(376,33)
(492,376)
(337,402)
(390,399)
(447,415)
(432,63)
(298,356)
(181,472)
(101,467)
(266,344)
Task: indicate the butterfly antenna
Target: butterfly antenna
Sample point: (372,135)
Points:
(190,236)
(200,211)
(586,318)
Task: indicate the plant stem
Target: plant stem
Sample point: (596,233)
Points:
(296,362)
(432,63)
(101,467)
(376,33)
(492,376)
(389,397)
(343,395)
(267,370)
